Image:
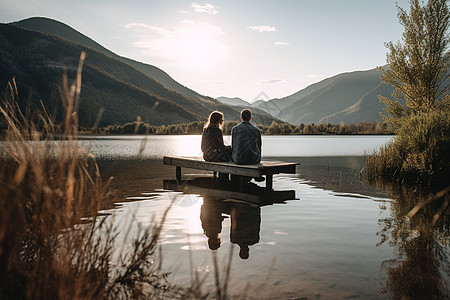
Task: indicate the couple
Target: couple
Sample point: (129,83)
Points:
(245,140)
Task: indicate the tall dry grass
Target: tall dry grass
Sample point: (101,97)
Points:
(53,242)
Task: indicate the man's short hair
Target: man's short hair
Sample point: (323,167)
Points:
(246,114)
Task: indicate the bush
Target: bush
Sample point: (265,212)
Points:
(419,153)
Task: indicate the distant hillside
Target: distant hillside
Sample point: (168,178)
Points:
(348,97)
(236,101)
(62,30)
(258,102)
(240,104)
(38,60)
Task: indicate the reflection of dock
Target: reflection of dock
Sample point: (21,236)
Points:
(222,198)
(206,186)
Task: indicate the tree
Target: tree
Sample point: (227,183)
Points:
(418,67)
(274,128)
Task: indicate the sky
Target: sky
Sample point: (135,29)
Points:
(235,48)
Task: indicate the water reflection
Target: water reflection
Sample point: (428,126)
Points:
(211,217)
(421,266)
(245,223)
(338,258)
(224,200)
(419,270)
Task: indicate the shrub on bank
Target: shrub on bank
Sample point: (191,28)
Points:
(420,152)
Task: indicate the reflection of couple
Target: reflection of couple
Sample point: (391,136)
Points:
(245,223)
(245,137)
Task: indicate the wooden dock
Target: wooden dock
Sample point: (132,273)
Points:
(265,168)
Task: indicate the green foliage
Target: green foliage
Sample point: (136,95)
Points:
(418,67)
(283,128)
(275,128)
(420,152)
(328,128)
(424,141)
(418,70)
(139,127)
(227,126)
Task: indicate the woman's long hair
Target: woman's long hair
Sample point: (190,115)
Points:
(215,118)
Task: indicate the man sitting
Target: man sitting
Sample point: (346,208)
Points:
(246,141)
(246,144)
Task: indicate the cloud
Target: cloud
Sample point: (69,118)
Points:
(281,43)
(141,28)
(262,28)
(219,83)
(135,25)
(272,81)
(183,12)
(206,8)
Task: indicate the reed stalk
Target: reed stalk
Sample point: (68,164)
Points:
(53,242)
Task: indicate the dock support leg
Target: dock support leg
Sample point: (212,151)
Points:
(269,182)
(178,173)
(235,180)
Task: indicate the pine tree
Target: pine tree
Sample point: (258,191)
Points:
(418,66)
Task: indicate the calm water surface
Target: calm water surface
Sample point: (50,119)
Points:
(338,240)
(114,147)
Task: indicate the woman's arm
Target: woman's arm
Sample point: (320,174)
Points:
(217,138)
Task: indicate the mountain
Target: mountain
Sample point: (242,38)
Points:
(236,101)
(257,102)
(62,30)
(37,60)
(348,97)
(240,104)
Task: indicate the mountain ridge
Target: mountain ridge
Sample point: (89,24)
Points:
(350,97)
(235,101)
(37,61)
(55,27)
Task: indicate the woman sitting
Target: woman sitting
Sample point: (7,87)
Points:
(212,139)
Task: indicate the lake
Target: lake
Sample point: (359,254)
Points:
(339,239)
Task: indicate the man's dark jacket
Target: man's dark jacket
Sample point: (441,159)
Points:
(246,144)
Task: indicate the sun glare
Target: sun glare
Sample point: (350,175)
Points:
(188,145)
(197,47)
